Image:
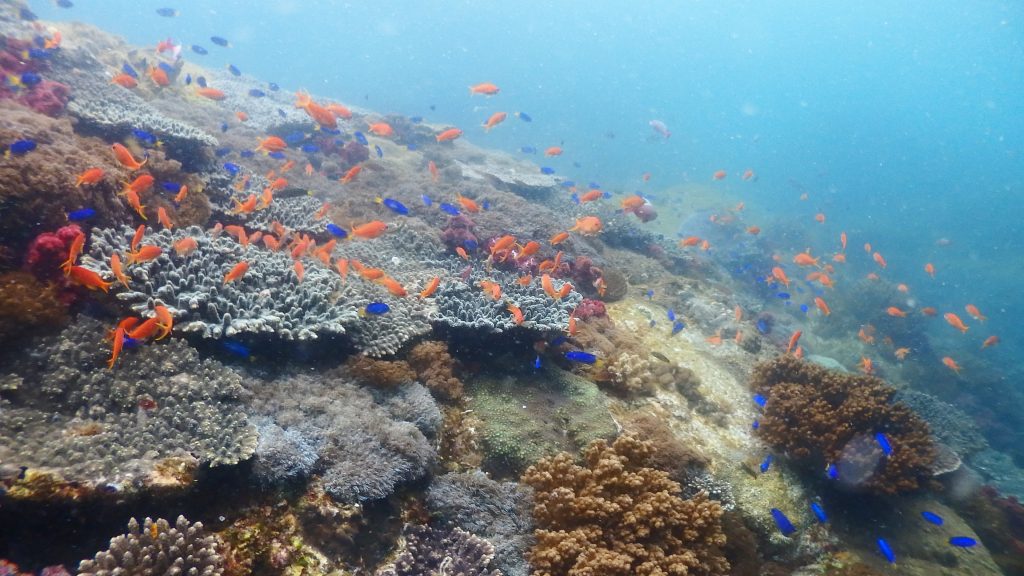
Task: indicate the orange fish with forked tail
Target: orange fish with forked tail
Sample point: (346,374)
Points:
(955,322)
(494,120)
(369,230)
(929,269)
(351,174)
(382,129)
(780,275)
(87,278)
(448,135)
(431,287)
(990,341)
(125,158)
(484,88)
(951,364)
(212,94)
(805,259)
(975,313)
(90,176)
(820,303)
(587,225)
(879,259)
(793,341)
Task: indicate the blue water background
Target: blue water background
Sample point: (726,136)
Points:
(901,119)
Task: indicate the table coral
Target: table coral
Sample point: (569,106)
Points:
(820,417)
(615,515)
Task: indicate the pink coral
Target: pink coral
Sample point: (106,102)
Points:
(590,309)
(458,231)
(48,97)
(48,250)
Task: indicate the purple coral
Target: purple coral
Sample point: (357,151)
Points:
(458,231)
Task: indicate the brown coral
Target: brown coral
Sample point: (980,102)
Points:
(380,373)
(27,305)
(669,453)
(436,369)
(819,417)
(618,516)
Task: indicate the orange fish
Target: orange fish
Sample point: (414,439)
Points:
(77,244)
(525,280)
(158,76)
(212,94)
(237,272)
(125,158)
(135,202)
(929,268)
(705,245)
(300,270)
(872,276)
(87,278)
(118,343)
(382,129)
(793,341)
(393,286)
(780,275)
(163,218)
(342,266)
(564,290)
(805,259)
(351,174)
(517,314)
(244,207)
(748,174)
(951,364)
(503,243)
(287,166)
(718,175)
(839,257)
(754,230)
(242,116)
(716,339)
(842,240)
(591,196)
(309,169)
(139,233)
(340,111)
(448,135)
(867,247)
(319,215)
(431,287)
(955,322)
(271,242)
(975,313)
(467,204)
(115,267)
(819,218)
(559,238)
(929,311)
(124,80)
(492,289)
(866,365)
(164,46)
(485,88)
(146,330)
(894,311)
(866,334)
(434,174)
(140,185)
(529,249)
(631,203)
(144,254)
(461,252)
(185,246)
(737,313)
(324,117)
(164,320)
(271,144)
(587,226)
(879,259)
(901,353)
(990,341)
(553,151)
(820,303)
(181,195)
(267,197)
(369,230)
(494,120)
(549,289)
(90,176)
(903,288)
(572,323)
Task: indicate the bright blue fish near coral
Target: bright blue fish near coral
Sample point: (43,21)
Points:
(755,424)
(883,443)
(232,168)
(222,152)
(782,521)
(361,138)
(200,50)
(581,357)
(766,463)
(762,326)
(20,147)
(547,170)
(886,550)
(394,205)
(932,517)
(166,67)
(671,315)
(528,150)
(963,541)
(277,155)
(783,295)
(470,245)
(257,93)
(236,348)
(819,512)
(273,87)
(377,308)
(677,327)
(234,70)
(380,153)
(832,472)
(201,81)
(83,214)
(536,363)
(426,200)
(220,41)
(310,148)
(449,209)
(760,400)
(336,230)
(129,70)
(188,79)
(170,186)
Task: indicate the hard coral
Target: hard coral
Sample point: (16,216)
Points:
(458,231)
(27,305)
(616,515)
(431,551)
(380,373)
(820,417)
(48,251)
(158,548)
(47,97)
(435,368)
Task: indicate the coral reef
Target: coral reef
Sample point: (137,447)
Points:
(158,548)
(617,515)
(999,522)
(27,306)
(45,96)
(949,424)
(496,511)
(435,368)
(294,213)
(431,551)
(381,373)
(668,453)
(148,423)
(365,445)
(48,251)
(820,417)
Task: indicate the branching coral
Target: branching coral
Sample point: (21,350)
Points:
(429,551)
(820,417)
(158,548)
(615,515)
(435,368)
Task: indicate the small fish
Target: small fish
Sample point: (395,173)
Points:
(762,326)
(236,348)
(766,463)
(277,155)
(246,153)
(671,315)
(886,550)
(28,79)
(380,153)
(170,186)
(755,425)
(524,116)
(782,521)
(832,472)
(27,15)
(273,86)
(547,170)
(760,400)
(223,126)
(470,244)
(222,152)
(167,68)
(394,205)
(650,294)
(200,50)
(677,327)
(377,308)
(294,137)
(310,148)
(426,200)
(819,512)
(127,69)
(411,147)
(528,150)
(804,308)
(65,4)
(883,443)
(449,209)
(167,12)
(963,541)
(653,323)
(932,517)
(257,93)
(361,138)
(20,147)
(581,357)
(234,70)
(83,214)
(536,363)
(201,81)
(416,119)
(220,41)
(144,137)
(232,169)
(336,230)
(188,79)
(783,295)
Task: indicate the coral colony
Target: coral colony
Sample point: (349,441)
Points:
(343,342)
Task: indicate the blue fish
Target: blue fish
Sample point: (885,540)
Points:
(558,341)
(65,4)
(671,315)
(426,200)
(528,150)
(785,526)
(27,15)
(19,147)
(575,198)
(470,244)
(762,326)
(567,183)
(167,12)
(883,443)
(395,206)
(246,153)
(932,517)
(963,541)
(220,41)
(886,550)
(170,186)
(188,79)
(232,169)
(277,155)
(83,214)
(580,356)
(832,472)
(766,463)
(331,131)
(536,363)
(650,294)
(234,70)
(336,230)
(547,170)
(39,54)
(485,205)
(819,512)
(783,295)
(223,126)
(606,195)
(412,147)
(361,138)
(30,79)
(377,308)
(804,308)
(281,113)
(257,93)
(380,153)
(143,136)
(416,119)
(222,152)
(677,327)
(127,69)
(755,425)
(236,348)
(449,209)
(595,186)
(760,400)
(524,116)
(273,87)
(294,137)
(166,67)
(201,81)
(310,148)
(199,50)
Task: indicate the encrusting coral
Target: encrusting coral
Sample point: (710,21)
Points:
(26,305)
(615,515)
(820,417)
(435,368)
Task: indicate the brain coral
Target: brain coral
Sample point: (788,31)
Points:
(820,417)
(615,515)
